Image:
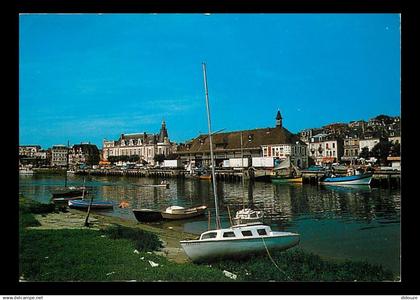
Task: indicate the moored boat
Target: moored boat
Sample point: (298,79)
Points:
(84,204)
(70,191)
(238,241)
(279,179)
(147,215)
(363,179)
(179,212)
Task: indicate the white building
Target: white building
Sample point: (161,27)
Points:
(369,143)
(29,151)
(59,155)
(145,145)
(324,148)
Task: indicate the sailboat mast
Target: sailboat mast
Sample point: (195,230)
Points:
(243,183)
(67,163)
(218,225)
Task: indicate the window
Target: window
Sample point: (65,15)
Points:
(229,234)
(333,145)
(262,232)
(246,233)
(210,235)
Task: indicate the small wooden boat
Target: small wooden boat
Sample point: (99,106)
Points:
(70,191)
(280,179)
(147,215)
(84,204)
(65,200)
(205,177)
(179,212)
(364,179)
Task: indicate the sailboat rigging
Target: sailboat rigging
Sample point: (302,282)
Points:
(238,240)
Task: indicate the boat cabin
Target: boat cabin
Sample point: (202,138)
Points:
(238,231)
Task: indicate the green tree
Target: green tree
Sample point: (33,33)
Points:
(159,158)
(381,151)
(365,153)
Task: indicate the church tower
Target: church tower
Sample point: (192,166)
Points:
(163,133)
(279,119)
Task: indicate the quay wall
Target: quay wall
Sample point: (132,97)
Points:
(389,179)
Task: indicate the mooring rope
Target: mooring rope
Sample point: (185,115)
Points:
(272,260)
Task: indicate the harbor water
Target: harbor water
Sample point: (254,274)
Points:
(335,222)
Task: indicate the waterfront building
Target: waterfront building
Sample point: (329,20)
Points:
(306,134)
(59,155)
(145,145)
(351,148)
(325,148)
(368,143)
(275,142)
(29,150)
(83,154)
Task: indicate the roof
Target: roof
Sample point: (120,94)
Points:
(254,138)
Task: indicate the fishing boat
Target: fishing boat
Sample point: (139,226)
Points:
(84,204)
(147,215)
(286,172)
(179,212)
(363,179)
(235,241)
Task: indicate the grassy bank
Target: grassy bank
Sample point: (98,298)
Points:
(118,250)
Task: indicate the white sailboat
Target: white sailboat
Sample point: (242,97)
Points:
(238,240)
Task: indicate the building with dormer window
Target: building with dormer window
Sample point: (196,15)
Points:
(145,145)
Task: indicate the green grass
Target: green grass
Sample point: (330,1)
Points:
(109,254)
(144,241)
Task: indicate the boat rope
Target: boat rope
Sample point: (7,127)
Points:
(272,260)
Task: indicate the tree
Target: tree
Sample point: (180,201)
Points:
(365,153)
(159,158)
(382,150)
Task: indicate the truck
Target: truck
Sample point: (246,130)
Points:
(172,163)
(263,162)
(238,162)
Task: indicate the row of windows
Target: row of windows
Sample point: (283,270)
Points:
(245,233)
(351,152)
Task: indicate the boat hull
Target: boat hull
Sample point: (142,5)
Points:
(83,204)
(205,250)
(67,193)
(275,179)
(364,179)
(147,215)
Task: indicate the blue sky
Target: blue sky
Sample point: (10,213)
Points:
(86,77)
